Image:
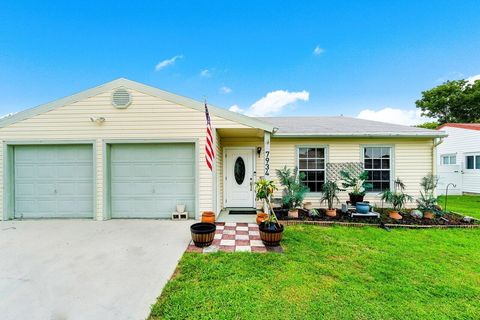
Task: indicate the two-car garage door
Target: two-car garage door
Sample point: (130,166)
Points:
(146,180)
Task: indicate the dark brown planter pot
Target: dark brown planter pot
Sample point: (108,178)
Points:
(271,238)
(203,233)
(354,198)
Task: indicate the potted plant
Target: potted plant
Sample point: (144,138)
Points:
(330,191)
(428,202)
(397,198)
(294,191)
(271,231)
(356,183)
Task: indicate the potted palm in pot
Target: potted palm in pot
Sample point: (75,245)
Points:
(356,183)
(271,231)
(294,191)
(428,202)
(330,191)
(397,198)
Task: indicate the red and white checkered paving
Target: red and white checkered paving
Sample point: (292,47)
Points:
(233,237)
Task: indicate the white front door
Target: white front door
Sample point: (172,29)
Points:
(239,178)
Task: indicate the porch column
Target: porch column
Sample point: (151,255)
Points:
(266,148)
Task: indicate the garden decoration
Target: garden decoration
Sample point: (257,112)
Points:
(427,202)
(356,183)
(330,191)
(397,198)
(417,214)
(446,194)
(271,231)
(294,191)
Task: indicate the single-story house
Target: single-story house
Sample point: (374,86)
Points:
(458,158)
(129,150)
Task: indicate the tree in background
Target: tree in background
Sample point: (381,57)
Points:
(428,125)
(452,101)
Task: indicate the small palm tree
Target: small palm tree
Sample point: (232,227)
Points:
(397,198)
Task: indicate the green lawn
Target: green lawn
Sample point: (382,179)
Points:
(467,205)
(334,273)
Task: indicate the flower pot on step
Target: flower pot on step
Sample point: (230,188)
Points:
(203,234)
(428,215)
(293,214)
(394,215)
(208,217)
(307,206)
(331,212)
(270,236)
(180,208)
(354,198)
(262,216)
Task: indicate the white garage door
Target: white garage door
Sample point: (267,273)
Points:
(149,180)
(53,181)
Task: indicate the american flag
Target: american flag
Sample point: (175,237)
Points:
(209,153)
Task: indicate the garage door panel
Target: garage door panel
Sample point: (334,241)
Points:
(146,182)
(53,181)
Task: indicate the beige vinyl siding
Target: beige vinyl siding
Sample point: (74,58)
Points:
(412,159)
(148,118)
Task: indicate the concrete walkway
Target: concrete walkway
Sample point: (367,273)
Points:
(82,269)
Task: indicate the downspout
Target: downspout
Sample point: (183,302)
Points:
(436,143)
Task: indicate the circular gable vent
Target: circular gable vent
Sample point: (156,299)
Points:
(121,98)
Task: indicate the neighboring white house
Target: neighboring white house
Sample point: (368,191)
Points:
(458,158)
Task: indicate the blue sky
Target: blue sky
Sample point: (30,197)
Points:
(372,55)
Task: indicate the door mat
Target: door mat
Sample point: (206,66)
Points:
(242,212)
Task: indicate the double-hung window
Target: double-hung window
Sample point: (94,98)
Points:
(448,159)
(378,163)
(311,162)
(472,162)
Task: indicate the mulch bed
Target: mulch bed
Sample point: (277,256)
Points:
(447,220)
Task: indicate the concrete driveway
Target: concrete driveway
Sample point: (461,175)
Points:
(81,269)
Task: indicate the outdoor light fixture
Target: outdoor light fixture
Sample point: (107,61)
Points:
(259,151)
(97,120)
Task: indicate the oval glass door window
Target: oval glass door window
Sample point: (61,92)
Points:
(239,170)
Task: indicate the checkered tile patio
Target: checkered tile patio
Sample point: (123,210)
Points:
(234,237)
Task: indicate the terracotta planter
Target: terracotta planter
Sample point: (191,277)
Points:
(428,215)
(208,217)
(332,212)
(394,215)
(262,216)
(271,238)
(307,206)
(293,214)
(203,234)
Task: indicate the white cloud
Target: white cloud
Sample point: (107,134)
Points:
(7,115)
(236,108)
(167,62)
(318,51)
(225,90)
(392,115)
(205,73)
(472,79)
(273,103)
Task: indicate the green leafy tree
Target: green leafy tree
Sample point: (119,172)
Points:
(428,125)
(452,101)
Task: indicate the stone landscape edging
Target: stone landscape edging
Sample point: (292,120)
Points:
(390,225)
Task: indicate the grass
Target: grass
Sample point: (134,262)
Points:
(333,273)
(466,205)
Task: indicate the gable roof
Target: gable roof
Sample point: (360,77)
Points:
(469,126)
(122,82)
(340,126)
